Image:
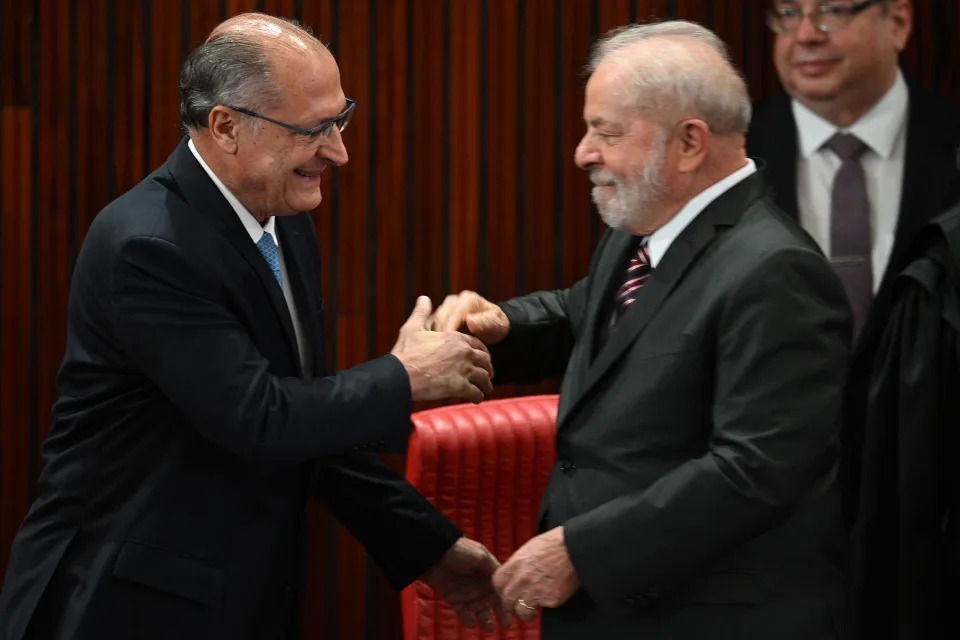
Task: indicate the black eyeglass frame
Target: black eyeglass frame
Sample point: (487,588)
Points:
(323,129)
(774,16)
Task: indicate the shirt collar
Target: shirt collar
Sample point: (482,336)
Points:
(254,228)
(661,239)
(879,128)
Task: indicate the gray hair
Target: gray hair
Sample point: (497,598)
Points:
(672,82)
(231,68)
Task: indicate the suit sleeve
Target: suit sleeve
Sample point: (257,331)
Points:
(782,350)
(543,328)
(171,321)
(402,531)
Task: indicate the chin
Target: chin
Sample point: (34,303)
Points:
(816,89)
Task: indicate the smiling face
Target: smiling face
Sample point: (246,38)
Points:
(625,154)
(841,74)
(278,172)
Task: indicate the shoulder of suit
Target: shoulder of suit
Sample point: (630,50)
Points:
(152,208)
(934,113)
(764,227)
(769,116)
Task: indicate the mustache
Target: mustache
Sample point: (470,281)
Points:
(600,177)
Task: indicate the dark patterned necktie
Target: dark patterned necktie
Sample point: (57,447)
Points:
(850,226)
(638,270)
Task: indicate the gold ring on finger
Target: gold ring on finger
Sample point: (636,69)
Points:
(525,605)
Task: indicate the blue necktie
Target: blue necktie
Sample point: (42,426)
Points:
(268,248)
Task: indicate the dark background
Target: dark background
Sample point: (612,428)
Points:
(461,176)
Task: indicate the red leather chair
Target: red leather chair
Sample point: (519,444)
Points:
(485,467)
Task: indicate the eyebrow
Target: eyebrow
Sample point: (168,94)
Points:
(599,122)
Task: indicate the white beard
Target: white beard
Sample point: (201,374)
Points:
(633,196)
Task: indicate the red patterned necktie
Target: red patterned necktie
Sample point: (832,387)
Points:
(638,270)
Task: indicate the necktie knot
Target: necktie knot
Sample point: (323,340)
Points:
(268,249)
(846,145)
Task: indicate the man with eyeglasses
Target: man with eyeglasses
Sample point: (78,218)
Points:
(861,156)
(195,414)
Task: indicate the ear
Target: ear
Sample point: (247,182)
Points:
(224,127)
(694,141)
(901,22)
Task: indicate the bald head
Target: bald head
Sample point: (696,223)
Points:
(243,62)
(676,70)
(272,34)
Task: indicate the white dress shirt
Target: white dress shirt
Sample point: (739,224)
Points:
(883,130)
(256,231)
(661,239)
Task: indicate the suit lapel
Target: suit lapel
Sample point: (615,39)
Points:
(610,277)
(204,196)
(721,214)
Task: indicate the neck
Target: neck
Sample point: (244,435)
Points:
(712,172)
(222,167)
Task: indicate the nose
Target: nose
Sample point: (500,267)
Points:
(807,32)
(586,155)
(333,150)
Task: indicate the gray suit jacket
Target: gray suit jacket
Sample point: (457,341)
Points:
(697,447)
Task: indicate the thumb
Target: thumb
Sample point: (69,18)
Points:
(486,325)
(418,319)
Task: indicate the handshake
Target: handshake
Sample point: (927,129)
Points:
(442,362)
(538,574)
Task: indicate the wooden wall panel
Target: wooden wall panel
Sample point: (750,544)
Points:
(461,175)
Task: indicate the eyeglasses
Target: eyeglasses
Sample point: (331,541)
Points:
(825,17)
(322,130)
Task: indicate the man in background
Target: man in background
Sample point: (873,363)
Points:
(195,416)
(860,156)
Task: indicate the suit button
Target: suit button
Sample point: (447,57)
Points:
(631,601)
(567,467)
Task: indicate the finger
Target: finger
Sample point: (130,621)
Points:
(466,618)
(476,344)
(466,303)
(516,584)
(482,615)
(443,312)
(525,614)
(471,393)
(480,378)
(421,312)
(503,615)
(482,360)
(489,325)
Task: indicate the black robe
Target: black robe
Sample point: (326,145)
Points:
(906,541)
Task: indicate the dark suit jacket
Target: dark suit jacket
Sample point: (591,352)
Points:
(697,448)
(931,184)
(185,442)
(906,545)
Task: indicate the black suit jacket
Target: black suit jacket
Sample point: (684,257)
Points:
(906,545)
(697,448)
(185,440)
(931,184)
